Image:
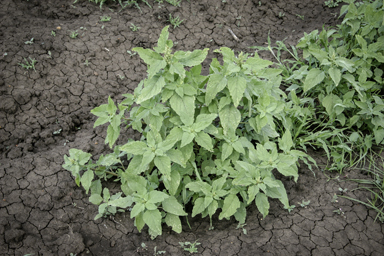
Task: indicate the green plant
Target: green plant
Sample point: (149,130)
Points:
(156,252)
(192,246)
(86,63)
(198,137)
(332,3)
(121,77)
(53,33)
(304,203)
(131,54)
(174,2)
(105,18)
(73,34)
(29,64)
(29,42)
(134,28)
(175,21)
(300,16)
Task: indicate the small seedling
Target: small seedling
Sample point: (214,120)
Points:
(343,190)
(144,246)
(29,65)
(29,42)
(281,14)
(174,2)
(242,227)
(57,132)
(158,252)
(290,208)
(121,77)
(73,34)
(334,199)
(332,3)
(300,16)
(105,18)
(340,212)
(259,3)
(134,28)
(192,246)
(53,33)
(175,21)
(86,63)
(304,203)
(131,53)
(49,55)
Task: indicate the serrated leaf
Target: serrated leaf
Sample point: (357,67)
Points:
(173,183)
(171,205)
(156,196)
(176,156)
(162,42)
(150,57)
(163,163)
(314,77)
(212,208)
(241,214)
(148,156)
(203,121)
(191,59)
(262,204)
(216,83)
(238,146)
(186,138)
(226,151)
(198,206)
(228,54)
(252,192)
(335,74)
(184,107)
(122,202)
(152,87)
(236,86)
(229,118)
(231,204)
(86,180)
(134,147)
(174,222)
(139,222)
(153,219)
(286,142)
(137,209)
(101,120)
(204,140)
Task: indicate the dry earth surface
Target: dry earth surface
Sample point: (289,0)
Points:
(46,112)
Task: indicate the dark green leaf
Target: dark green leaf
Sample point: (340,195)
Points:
(153,220)
(231,204)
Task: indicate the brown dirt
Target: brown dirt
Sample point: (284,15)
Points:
(45,113)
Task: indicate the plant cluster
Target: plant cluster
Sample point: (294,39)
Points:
(29,64)
(198,144)
(217,141)
(175,21)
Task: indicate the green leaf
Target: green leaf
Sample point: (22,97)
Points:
(156,196)
(226,151)
(379,135)
(241,214)
(212,208)
(198,206)
(139,222)
(314,77)
(95,199)
(262,204)
(252,192)
(138,208)
(286,142)
(171,205)
(229,118)
(204,140)
(186,139)
(112,135)
(238,146)
(122,202)
(191,59)
(203,121)
(228,54)
(86,180)
(162,42)
(174,222)
(150,57)
(231,203)
(147,158)
(101,120)
(256,63)
(236,86)
(335,74)
(134,147)
(177,156)
(153,87)
(184,107)
(163,163)
(216,83)
(153,220)
(329,102)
